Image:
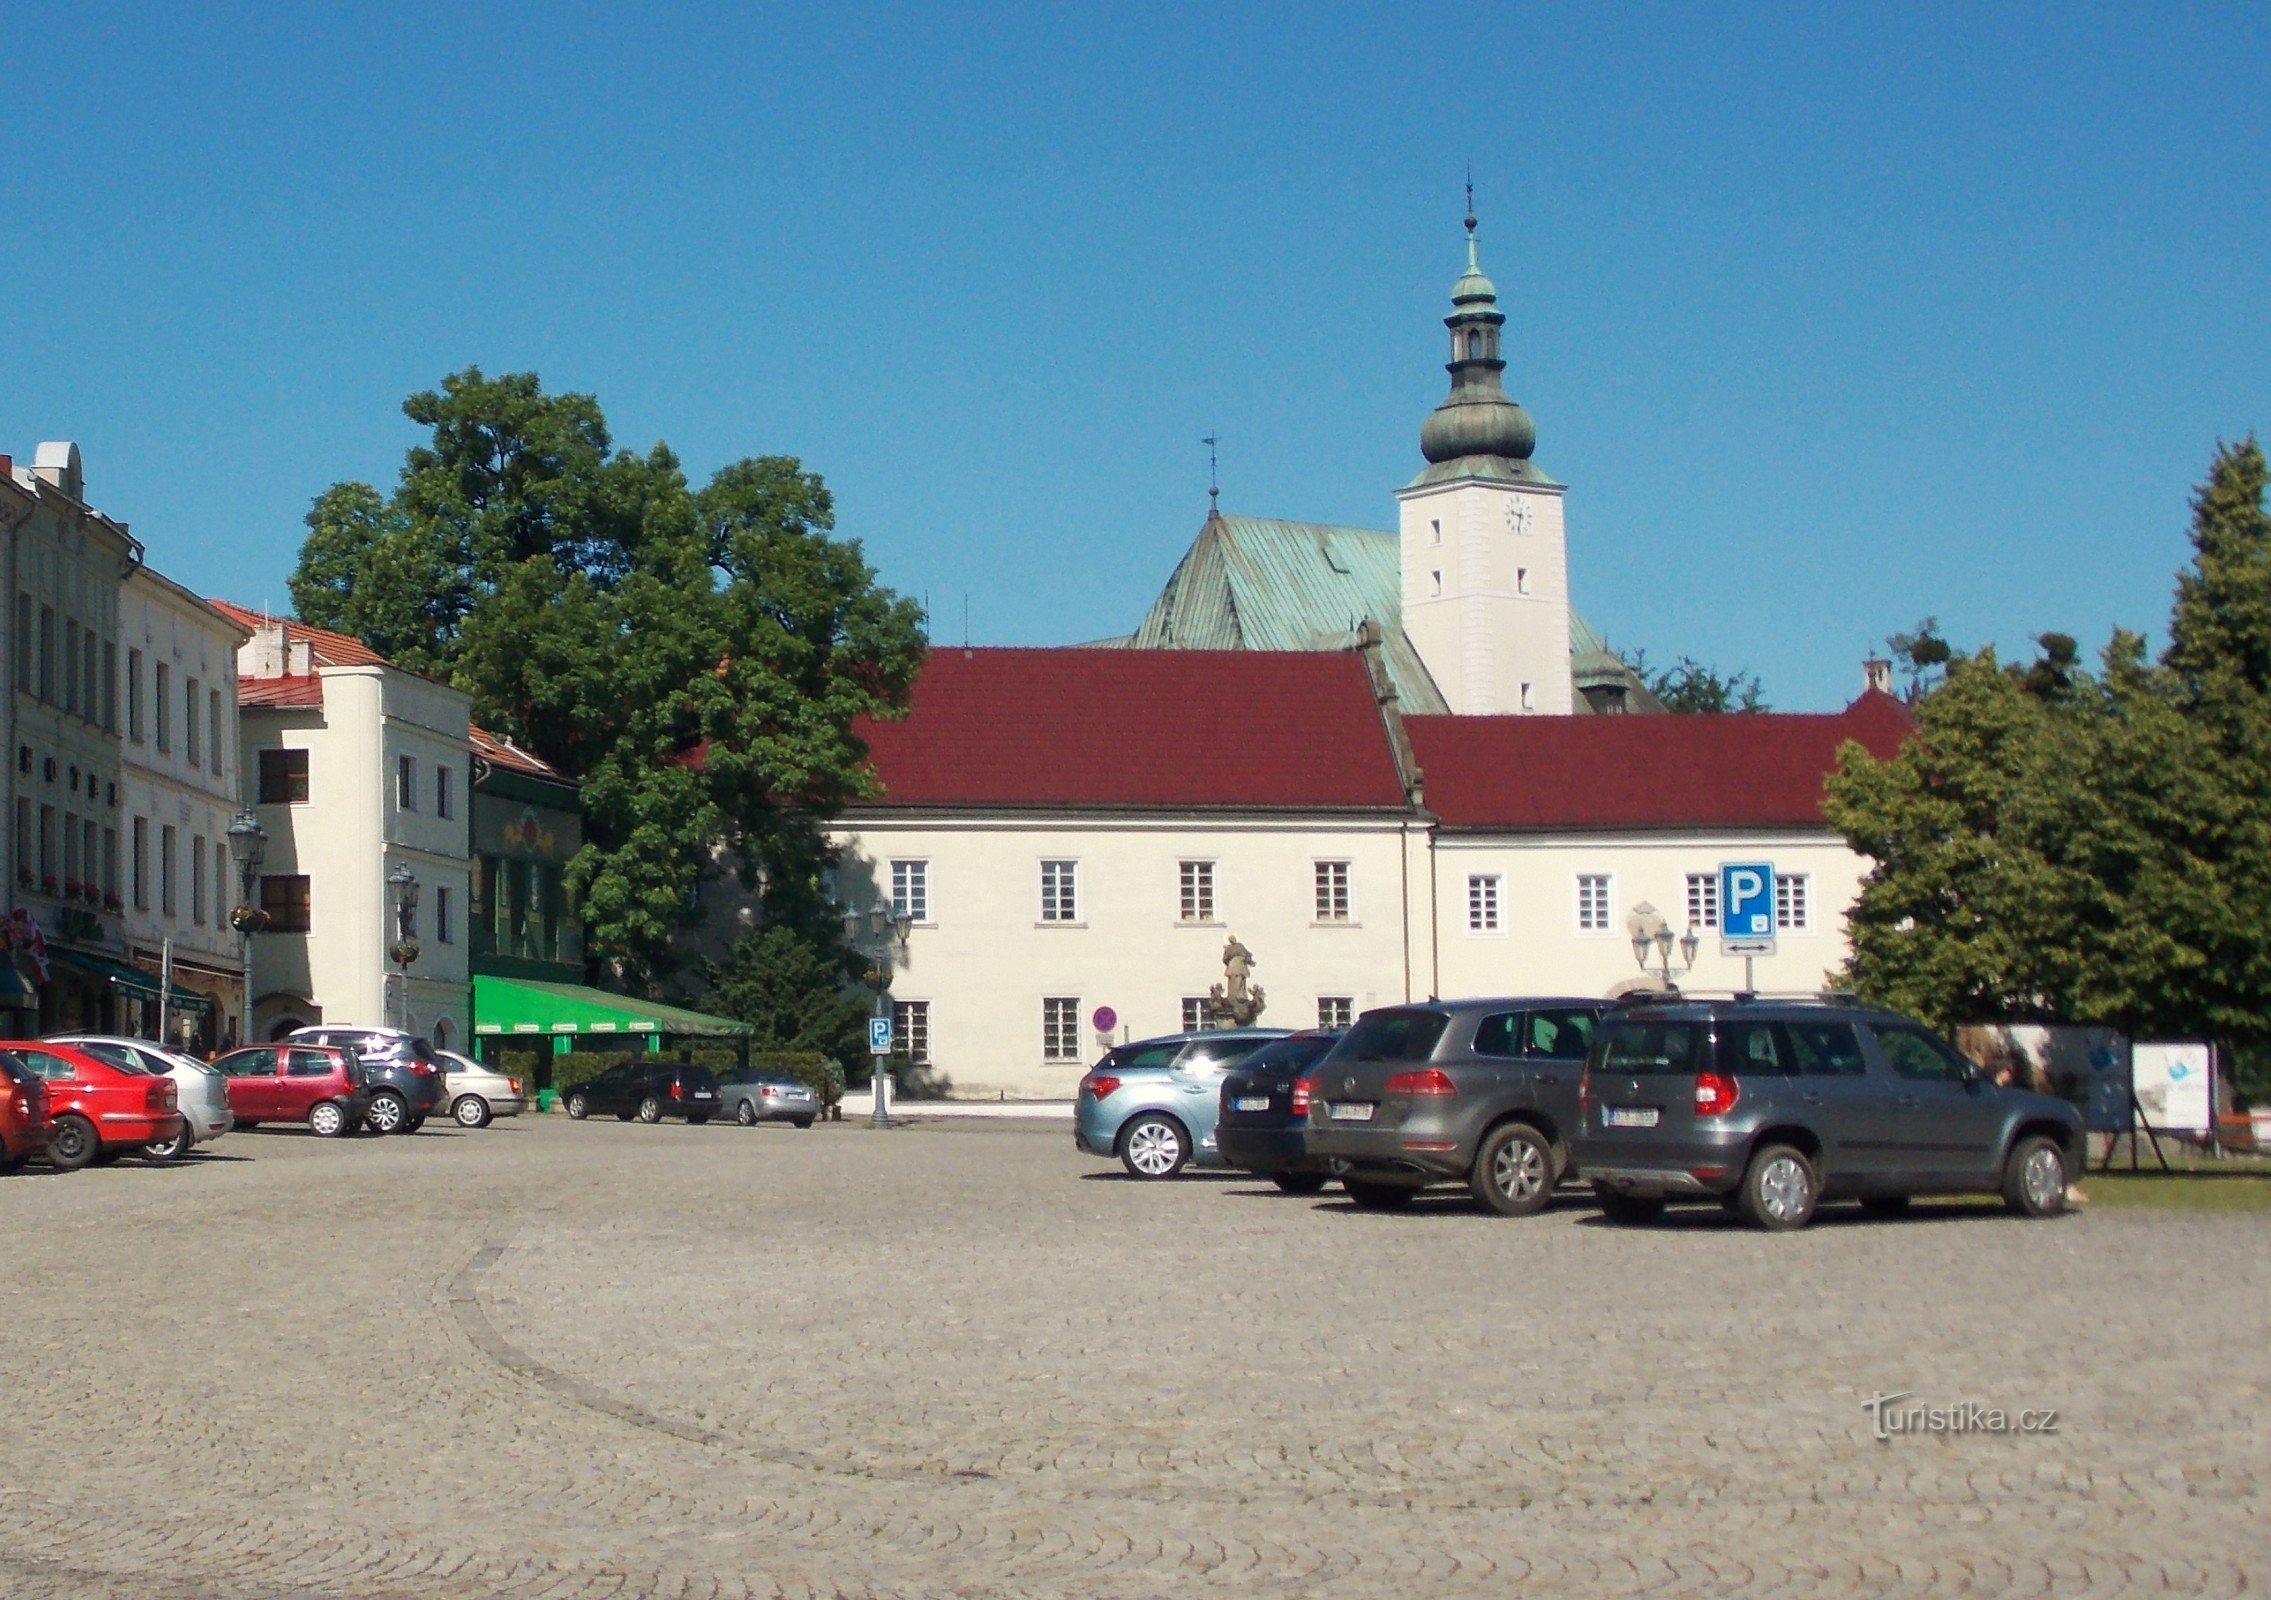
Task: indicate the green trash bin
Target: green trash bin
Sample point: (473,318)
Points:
(546,1099)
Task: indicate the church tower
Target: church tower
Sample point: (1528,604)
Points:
(1485,568)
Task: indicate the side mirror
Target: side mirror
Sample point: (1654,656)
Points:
(1973,1072)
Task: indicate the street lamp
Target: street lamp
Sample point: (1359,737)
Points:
(1649,932)
(874,933)
(404,950)
(247,841)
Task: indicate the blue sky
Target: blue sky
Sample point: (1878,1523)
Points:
(1830,317)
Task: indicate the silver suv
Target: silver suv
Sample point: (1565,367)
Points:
(1771,1108)
(1153,1103)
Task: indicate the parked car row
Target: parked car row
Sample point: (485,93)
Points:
(650,1090)
(1770,1108)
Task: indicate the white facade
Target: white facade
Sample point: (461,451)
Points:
(378,776)
(1486,594)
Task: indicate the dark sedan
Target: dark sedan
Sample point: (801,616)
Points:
(649,1090)
(1264,1119)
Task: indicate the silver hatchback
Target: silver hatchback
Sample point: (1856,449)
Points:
(1152,1104)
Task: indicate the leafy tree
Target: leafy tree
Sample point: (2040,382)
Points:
(1923,655)
(796,990)
(1689,687)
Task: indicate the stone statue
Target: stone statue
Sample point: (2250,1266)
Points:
(1236,1001)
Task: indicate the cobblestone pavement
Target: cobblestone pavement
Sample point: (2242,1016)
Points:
(555,1359)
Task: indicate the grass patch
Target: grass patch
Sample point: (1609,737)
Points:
(2196,1190)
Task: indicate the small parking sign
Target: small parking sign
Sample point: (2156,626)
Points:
(1746,903)
(879,1036)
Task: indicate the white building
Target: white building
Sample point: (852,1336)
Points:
(357,769)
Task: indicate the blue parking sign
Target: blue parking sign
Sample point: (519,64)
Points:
(1746,900)
(879,1036)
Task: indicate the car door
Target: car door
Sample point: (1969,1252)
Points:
(1492,1070)
(253,1090)
(1833,1091)
(307,1077)
(1555,1042)
(1947,1119)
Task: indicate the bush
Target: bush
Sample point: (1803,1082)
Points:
(581,1066)
(532,1066)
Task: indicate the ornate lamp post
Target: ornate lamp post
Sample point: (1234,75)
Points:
(874,933)
(248,841)
(1649,932)
(404,950)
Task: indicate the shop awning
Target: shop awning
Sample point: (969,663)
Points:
(131,980)
(520,1006)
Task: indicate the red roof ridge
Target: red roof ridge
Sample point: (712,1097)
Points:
(495,747)
(331,649)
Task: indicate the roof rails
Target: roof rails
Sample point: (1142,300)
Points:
(1780,997)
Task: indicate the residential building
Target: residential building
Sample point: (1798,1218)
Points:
(358,770)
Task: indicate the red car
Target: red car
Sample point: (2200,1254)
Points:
(23,1114)
(320,1085)
(96,1109)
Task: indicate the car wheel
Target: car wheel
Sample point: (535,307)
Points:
(1299,1182)
(746,1113)
(387,1114)
(414,1124)
(1379,1196)
(1627,1209)
(697,1118)
(2034,1178)
(242,1124)
(172,1149)
(1154,1146)
(471,1111)
(1780,1189)
(578,1107)
(327,1119)
(802,1122)
(71,1143)
(1884,1205)
(1513,1171)
(650,1109)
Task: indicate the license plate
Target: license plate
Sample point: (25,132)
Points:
(1351,1113)
(1629,1116)
(1251,1102)
(704,1094)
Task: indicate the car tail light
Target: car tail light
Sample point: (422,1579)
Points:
(1715,1094)
(161,1095)
(676,1092)
(513,1085)
(1302,1089)
(1585,1093)
(1100,1084)
(1428,1081)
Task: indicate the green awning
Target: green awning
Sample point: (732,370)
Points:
(519,1006)
(133,980)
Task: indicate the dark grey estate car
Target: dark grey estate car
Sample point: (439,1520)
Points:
(1482,1092)
(1772,1107)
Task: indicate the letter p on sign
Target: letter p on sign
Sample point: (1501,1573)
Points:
(1746,900)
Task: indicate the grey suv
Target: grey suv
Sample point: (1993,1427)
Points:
(1772,1107)
(1482,1092)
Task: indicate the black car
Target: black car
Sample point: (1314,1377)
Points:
(648,1090)
(1480,1092)
(1772,1107)
(401,1071)
(1265,1113)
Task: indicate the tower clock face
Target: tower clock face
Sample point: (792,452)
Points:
(1518,514)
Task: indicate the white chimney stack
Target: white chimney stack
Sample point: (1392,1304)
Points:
(1876,673)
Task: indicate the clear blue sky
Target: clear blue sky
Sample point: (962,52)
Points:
(1829,318)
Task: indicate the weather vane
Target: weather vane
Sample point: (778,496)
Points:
(1213,482)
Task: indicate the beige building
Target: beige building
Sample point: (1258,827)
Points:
(358,770)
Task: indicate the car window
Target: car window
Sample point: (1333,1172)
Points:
(13,1067)
(255,1063)
(1561,1035)
(1642,1048)
(1825,1049)
(1916,1054)
(697,1077)
(1140,1056)
(1749,1047)
(308,1064)
(1208,1054)
(1500,1035)
(1396,1035)
(116,1054)
(1288,1055)
(45,1064)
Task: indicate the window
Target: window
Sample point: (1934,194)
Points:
(70,666)
(89,863)
(25,683)
(197,880)
(1790,909)
(1335,1010)
(1754,1049)
(910,890)
(26,856)
(110,686)
(1482,902)
(1194,1013)
(445,927)
(1916,1054)
(47,848)
(1060,1029)
(1435,584)
(1332,891)
(1563,1035)
(167,837)
(1529,697)
(1060,893)
(445,792)
(306,1064)
(1197,891)
(89,683)
(70,854)
(164,698)
(1396,1035)
(220,873)
(283,777)
(285,898)
(1521,580)
(406,783)
(1435,530)
(1650,1049)
(1703,899)
(1592,902)
(213,731)
(47,653)
(910,1031)
(1826,1049)
(192,721)
(134,696)
(142,863)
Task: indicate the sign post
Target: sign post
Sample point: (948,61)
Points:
(1746,914)
(879,1046)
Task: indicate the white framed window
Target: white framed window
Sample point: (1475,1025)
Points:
(1792,913)
(1592,902)
(1194,1013)
(1703,900)
(1060,891)
(1482,902)
(1332,891)
(910,892)
(406,783)
(1335,1010)
(910,1031)
(1060,1028)
(1196,891)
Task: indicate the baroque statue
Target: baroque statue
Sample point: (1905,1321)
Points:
(1236,1001)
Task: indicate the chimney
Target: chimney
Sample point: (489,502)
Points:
(1876,673)
(56,463)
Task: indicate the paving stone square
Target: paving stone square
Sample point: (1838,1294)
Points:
(959,1359)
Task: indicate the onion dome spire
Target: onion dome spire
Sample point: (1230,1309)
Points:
(1477,419)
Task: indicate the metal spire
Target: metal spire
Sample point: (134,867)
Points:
(1213,483)
(1471,264)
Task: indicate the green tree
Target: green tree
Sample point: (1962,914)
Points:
(796,989)
(1689,687)
(1923,655)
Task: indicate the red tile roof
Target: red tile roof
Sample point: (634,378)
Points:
(280,691)
(502,752)
(329,649)
(1739,771)
(1137,728)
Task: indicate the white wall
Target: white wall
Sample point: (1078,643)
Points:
(1486,594)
